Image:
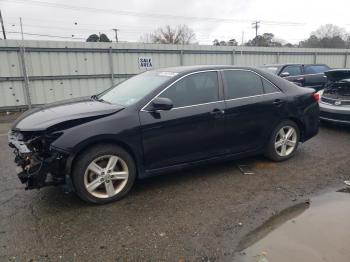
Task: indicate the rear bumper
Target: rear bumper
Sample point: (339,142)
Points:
(335,114)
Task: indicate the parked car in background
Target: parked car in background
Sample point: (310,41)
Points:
(158,121)
(335,98)
(306,75)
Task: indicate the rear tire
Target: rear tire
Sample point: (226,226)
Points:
(283,142)
(103,174)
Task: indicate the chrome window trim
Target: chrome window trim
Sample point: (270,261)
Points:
(181,107)
(212,70)
(173,83)
(240,98)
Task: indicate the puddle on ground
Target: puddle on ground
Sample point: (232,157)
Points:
(307,232)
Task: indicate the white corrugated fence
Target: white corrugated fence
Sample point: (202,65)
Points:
(39,72)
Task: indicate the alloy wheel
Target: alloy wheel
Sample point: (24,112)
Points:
(286,141)
(106,176)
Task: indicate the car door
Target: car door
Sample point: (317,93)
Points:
(314,76)
(293,73)
(254,106)
(192,130)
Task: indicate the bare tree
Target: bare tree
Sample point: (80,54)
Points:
(327,36)
(181,34)
(330,31)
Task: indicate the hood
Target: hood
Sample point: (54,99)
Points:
(82,109)
(338,74)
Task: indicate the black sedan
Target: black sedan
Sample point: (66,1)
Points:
(306,75)
(158,121)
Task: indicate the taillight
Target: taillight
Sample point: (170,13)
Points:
(317,97)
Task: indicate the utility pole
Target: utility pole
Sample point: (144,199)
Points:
(20,22)
(242,43)
(116,34)
(2,26)
(256,25)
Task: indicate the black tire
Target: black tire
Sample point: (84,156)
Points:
(271,151)
(87,157)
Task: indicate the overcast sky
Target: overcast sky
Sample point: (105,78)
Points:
(291,21)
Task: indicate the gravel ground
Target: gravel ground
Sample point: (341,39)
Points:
(198,214)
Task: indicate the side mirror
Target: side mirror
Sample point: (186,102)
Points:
(161,103)
(284,74)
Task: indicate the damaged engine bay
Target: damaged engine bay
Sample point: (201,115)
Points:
(38,162)
(338,90)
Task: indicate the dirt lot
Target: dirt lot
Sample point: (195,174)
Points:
(195,215)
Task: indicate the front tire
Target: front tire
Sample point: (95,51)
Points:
(283,142)
(103,174)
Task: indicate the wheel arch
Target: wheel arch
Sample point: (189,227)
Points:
(301,127)
(94,142)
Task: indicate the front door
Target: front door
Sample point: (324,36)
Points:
(192,130)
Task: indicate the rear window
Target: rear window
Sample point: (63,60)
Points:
(315,69)
(242,84)
(271,69)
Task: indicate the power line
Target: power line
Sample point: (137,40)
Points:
(148,15)
(44,35)
(84,24)
(91,30)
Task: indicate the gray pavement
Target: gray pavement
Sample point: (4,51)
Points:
(198,214)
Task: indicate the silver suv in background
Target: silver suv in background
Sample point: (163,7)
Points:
(335,98)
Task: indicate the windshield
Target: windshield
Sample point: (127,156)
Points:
(134,89)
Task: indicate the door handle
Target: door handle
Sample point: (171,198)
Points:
(278,102)
(217,112)
(300,79)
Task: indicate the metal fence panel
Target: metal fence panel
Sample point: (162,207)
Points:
(60,70)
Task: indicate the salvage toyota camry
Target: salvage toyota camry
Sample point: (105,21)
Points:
(158,121)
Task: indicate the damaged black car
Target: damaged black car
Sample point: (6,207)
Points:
(158,121)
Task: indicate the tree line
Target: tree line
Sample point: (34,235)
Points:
(326,36)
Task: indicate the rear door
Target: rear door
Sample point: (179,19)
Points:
(254,106)
(192,130)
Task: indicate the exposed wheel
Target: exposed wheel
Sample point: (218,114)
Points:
(283,142)
(103,174)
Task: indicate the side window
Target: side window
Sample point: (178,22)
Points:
(292,70)
(268,87)
(315,69)
(242,84)
(194,89)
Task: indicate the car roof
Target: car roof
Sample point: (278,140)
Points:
(280,65)
(189,69)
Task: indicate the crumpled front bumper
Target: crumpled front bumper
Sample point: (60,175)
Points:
(34,170)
